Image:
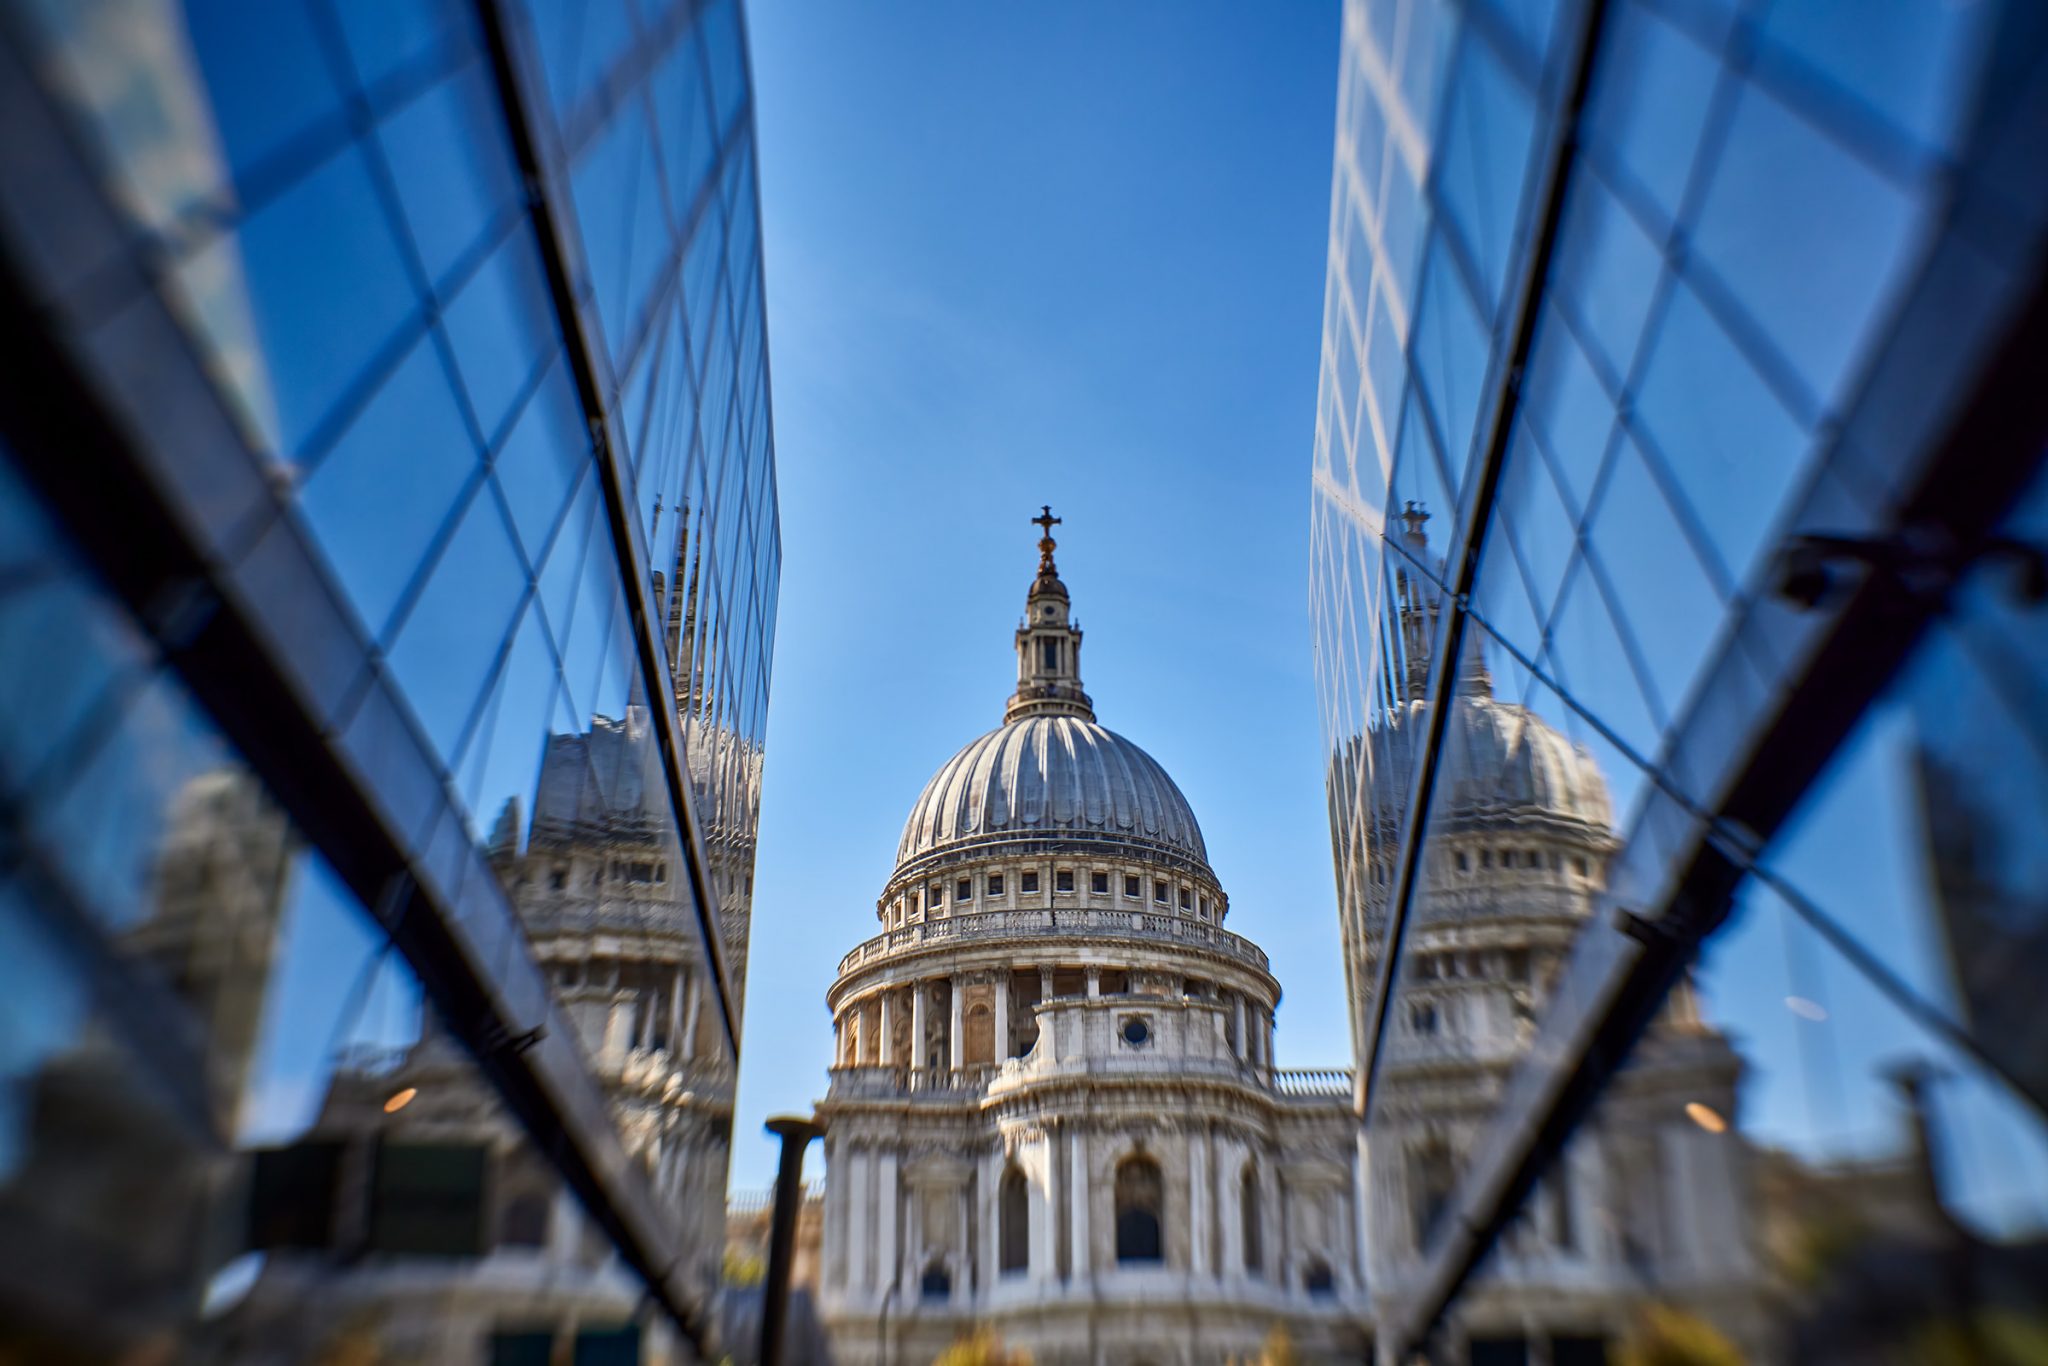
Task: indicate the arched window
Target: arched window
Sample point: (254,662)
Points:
(1139,1192)
(525,1222)
(979,1037)
(1013,1216)
(1248,1211)
(937,1283)
(1316,1278)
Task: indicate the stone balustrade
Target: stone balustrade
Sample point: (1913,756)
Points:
(1314,1082)
(1143,926)
(894,1081)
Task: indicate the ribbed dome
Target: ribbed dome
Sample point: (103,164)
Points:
(1499,759)
(1051,776)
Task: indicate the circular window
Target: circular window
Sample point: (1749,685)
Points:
(1136,1032)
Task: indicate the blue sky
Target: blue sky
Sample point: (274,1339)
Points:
(1021,255)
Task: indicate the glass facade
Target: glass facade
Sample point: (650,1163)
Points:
(1677,571)
(388,564)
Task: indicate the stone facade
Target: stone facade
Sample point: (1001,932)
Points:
(1055,1107)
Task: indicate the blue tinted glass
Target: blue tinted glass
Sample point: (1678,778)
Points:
(452,159)
(1425,51)
(48,614)
(1570,411)
(378,499)
(720,27)
(1607,269)
(1587,658)
(1449,353)
(1812,242)
(1655,86)
(1401,229)
(1663,600)
(619,210)
(106,828)
(1539,523)
(384,35)
(336,992)
(321,328)
(502,762)
(1734,449)
(455,629)
(1909,61)
(1488,128)
(542,457)
(501,326)
(682,119)
(266,75)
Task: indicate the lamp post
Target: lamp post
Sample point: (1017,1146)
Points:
(796,1134)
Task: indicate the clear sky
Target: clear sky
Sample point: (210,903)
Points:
(1068,254)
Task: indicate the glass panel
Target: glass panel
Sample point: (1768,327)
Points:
(1735,451)
(320,330)
(411,437)
(1812,242)
(1650,103)
(451,158)
(1488,130)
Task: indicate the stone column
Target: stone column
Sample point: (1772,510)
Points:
(675,1007)
(690,1006)
(858,1223)
(619,1026)
(1002,1015)
(886,1199)
(1094,983)
(1237,1018)
(1055,1192)
(956,1036)
(1200,1207)
(1044,984)
(990,1188)
(888,1027)
(1080,1264)
(917,1029)
(1043,1211)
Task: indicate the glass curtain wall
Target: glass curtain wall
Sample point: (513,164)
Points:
(1677,577)
(387,597)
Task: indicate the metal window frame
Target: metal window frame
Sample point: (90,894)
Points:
(1953,415)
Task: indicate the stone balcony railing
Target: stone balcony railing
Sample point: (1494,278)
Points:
(1313,1083)
(895,1081)
(1142,926)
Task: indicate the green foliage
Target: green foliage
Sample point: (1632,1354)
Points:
(1664,1336)
(981,1348)
(743,1269)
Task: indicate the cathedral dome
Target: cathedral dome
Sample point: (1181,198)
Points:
(1499,759)
(1051,776)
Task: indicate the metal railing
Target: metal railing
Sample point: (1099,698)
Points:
(1147,926)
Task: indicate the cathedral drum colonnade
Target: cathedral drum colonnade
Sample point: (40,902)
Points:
(1054,1106)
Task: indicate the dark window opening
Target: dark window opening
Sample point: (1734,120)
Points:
(1139,1189)
(963,890)
(1132,888)
(1160,892)
(525,1223)
(1098,883)
(1317,1279)
(1049,655)
(1013,1215)
(995,884)
(937,1283)
(1028,882)
(1187,899)
(1063,880)
(558,879)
